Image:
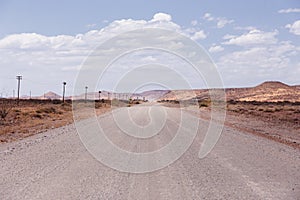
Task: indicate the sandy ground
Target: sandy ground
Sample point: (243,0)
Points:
(31,117)
(276,121)
(56,165)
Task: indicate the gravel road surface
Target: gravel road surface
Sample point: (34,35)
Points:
(56,165)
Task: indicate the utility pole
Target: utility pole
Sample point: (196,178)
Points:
(30,94)
(86,88)
(19,78)
(99,96)
(64,90)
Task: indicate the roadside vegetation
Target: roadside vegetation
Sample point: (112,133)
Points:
(280,112)
(29,117)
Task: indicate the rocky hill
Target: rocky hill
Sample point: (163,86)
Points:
(270,91)
(49,95)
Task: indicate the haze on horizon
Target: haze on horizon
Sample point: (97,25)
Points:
(47,42)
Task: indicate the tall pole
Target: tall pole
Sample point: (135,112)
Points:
(86,88)
(64,90)
(30,94)
(99,95)
(19,78)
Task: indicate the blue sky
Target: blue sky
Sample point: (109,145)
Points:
(250,41)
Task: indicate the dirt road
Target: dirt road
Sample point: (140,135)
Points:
(56,165)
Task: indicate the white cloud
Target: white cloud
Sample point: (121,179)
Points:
(148,59)
(199,35)
(221,22)
(294,28)
(194,22)
(215,49)
(247,28)
(254,37)
(289,10)
(261,62)
(228,36)
(270,56)
(33,41)
(59,57)
(162,17)
(91,25)
(208,17)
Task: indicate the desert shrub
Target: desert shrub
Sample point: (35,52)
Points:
(269,110)
(231,101)
(204,103)
(66,106)
(26,113)
(290,109)
(56,101)
(5,107)
(37,116)
(175,101)
(46,110)
(98,105)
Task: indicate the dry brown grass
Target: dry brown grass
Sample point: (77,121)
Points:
(278,112)
(34,116)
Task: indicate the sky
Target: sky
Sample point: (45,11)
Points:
(47,42)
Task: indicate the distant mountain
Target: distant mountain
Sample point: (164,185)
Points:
(271,91)
(50,95)
(185,94)
(153,94)
(272,85)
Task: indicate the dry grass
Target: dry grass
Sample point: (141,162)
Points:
(34,116)
(278,112)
